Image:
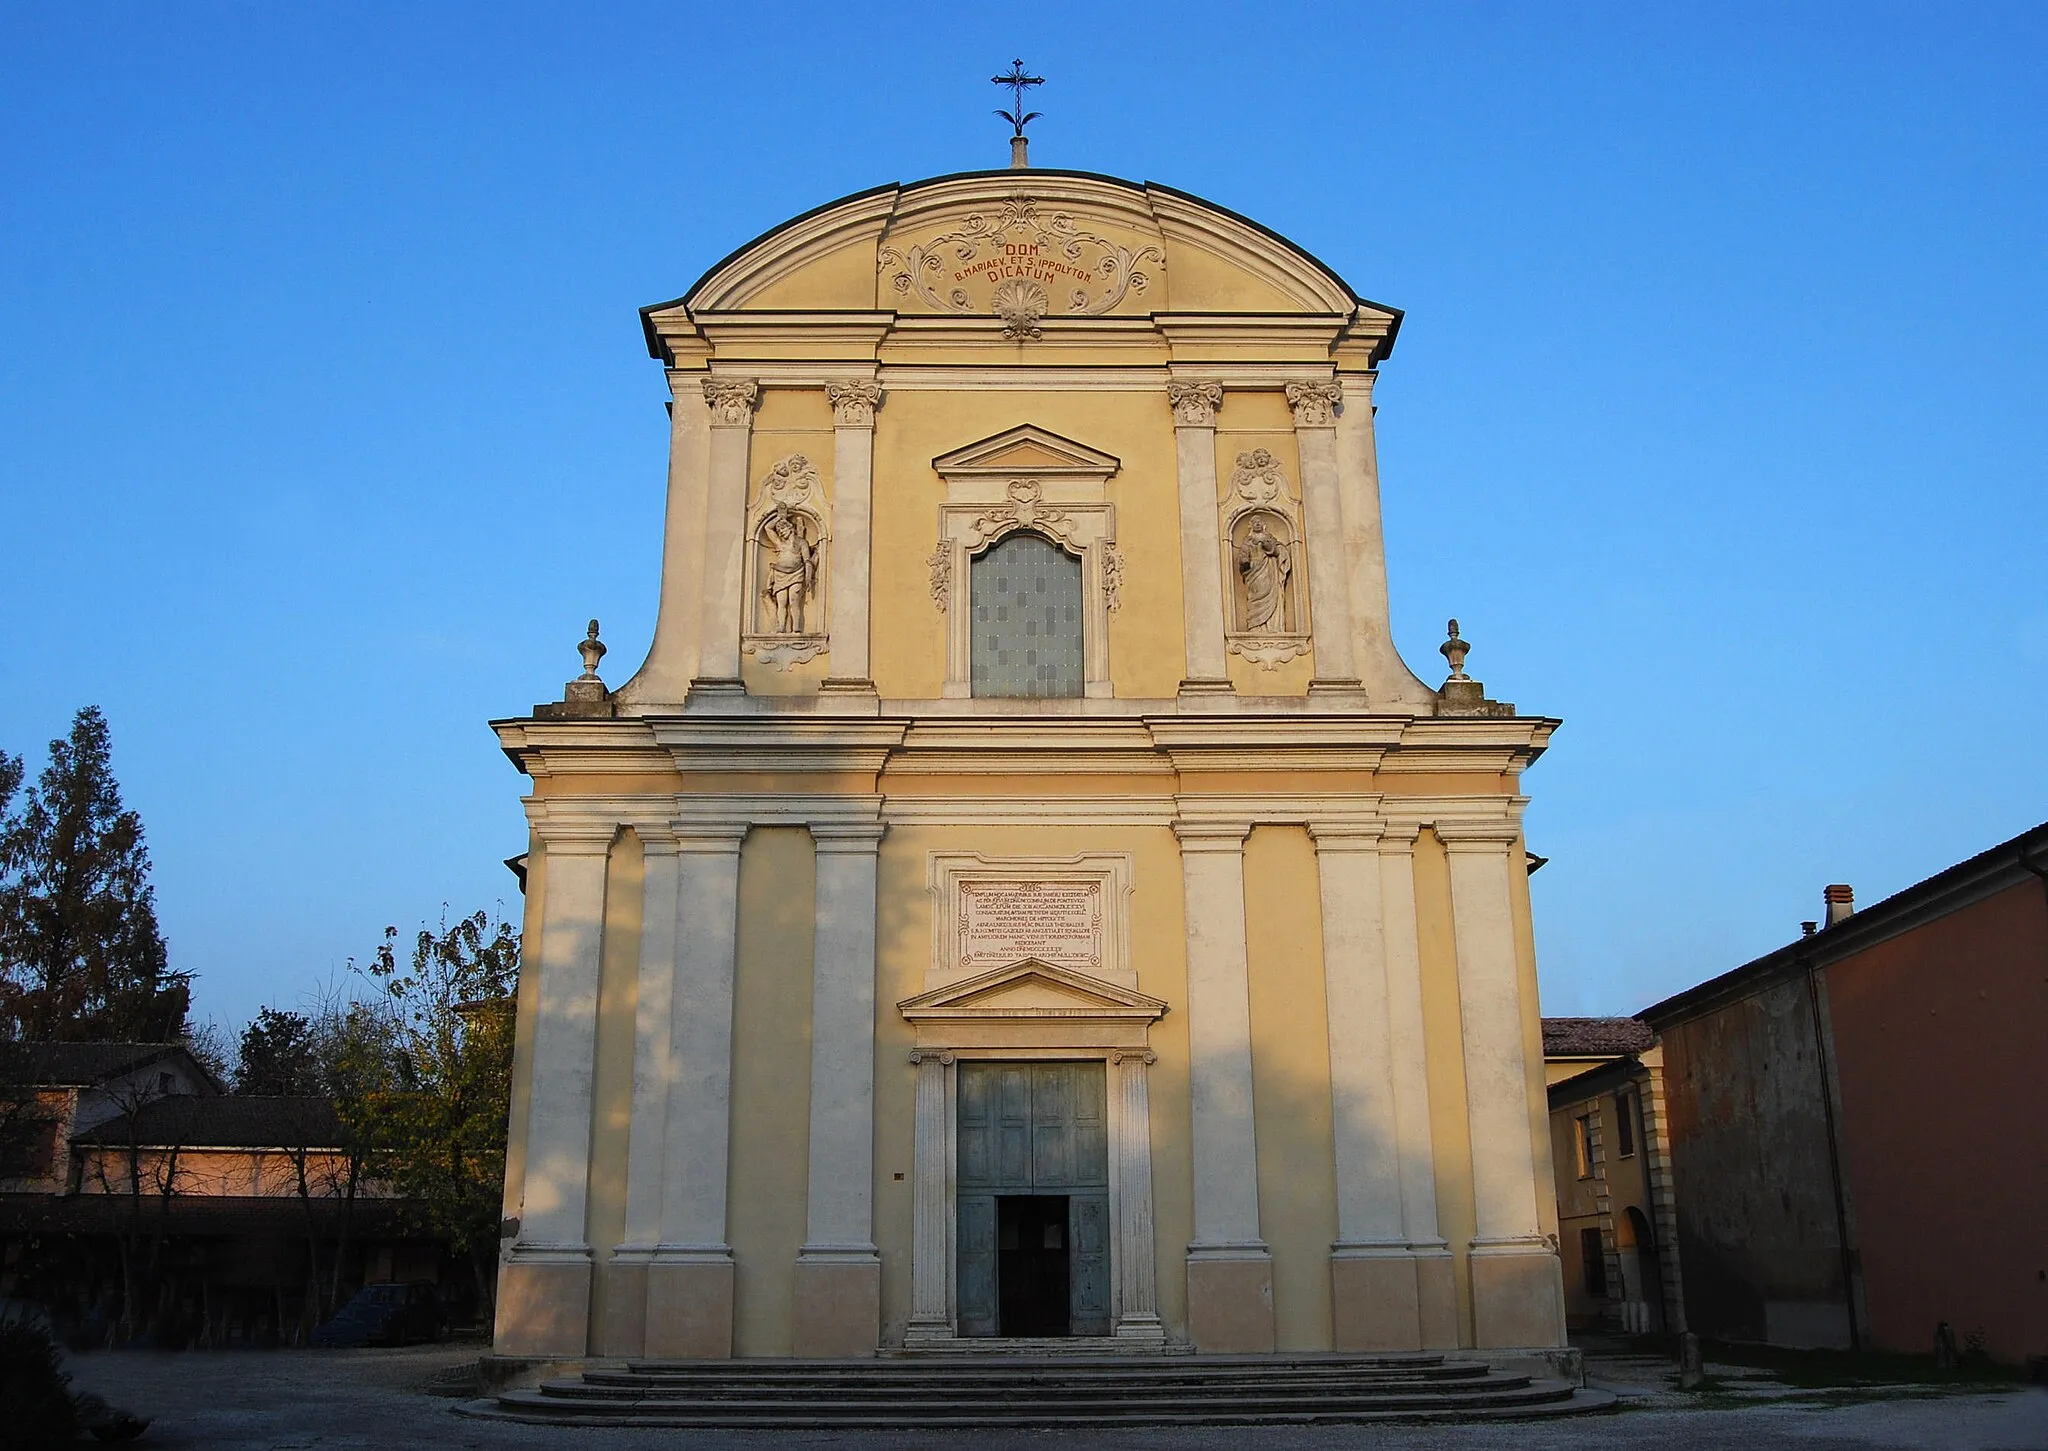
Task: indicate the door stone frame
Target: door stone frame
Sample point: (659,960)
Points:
(1033,1011)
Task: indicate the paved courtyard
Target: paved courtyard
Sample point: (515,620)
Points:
(396,1400)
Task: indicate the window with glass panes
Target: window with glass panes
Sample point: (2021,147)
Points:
(1027,619)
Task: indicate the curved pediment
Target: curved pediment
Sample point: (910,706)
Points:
(1033,243)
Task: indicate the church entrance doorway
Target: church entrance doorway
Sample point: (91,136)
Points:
(1033,1267)
(1033,1184)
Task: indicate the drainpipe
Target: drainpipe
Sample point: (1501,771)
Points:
(1827,1108)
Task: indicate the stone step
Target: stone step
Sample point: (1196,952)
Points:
(594,1388)
(1061,1392)
(1039,1380)
(1538,1398)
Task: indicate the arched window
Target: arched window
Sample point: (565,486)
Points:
(1027,619)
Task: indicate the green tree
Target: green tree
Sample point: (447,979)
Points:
(279,1057)
(439,1119)
(80,954)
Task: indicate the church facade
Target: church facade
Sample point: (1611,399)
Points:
(1024,893)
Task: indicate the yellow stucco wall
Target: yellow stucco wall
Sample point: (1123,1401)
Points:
(771,1083)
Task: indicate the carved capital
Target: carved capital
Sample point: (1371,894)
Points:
(854,404)
(1120,1056)
(922,1056)
(732,400)
(1195,404)
(1314,404)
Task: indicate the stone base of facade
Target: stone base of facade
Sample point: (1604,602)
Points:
(838,1306)
(1436,1299)
(1517,1294)
(1230,1302)
(624,1293)
(1373,1300)
(544,1305)
(689,1310)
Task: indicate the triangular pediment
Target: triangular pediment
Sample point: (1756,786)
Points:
(1028,449)
(1031,989)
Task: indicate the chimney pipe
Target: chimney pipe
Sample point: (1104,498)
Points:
(1841,901)
(1807,929)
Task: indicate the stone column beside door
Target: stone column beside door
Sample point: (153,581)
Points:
(544,1285)
(1230,1268)
(1137,1275)
(1517,1284)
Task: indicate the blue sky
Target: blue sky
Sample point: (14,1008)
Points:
(325,420)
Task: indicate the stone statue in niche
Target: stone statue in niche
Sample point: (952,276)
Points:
(1264,562)
(788,530)
(789,570)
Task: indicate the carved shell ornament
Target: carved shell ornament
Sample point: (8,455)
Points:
(1020,303)
(1019,246)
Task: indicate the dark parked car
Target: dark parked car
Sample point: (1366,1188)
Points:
(389,1314)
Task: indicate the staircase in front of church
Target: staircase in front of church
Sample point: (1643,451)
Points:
(1052,1391)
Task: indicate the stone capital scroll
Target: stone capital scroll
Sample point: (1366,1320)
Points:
(1314,404)
(1195,404)
(854,404)
(732,400)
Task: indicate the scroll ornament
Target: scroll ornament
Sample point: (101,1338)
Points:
(1195,404)
(854,404)
(1314,404)
(1057,248)
(732,399)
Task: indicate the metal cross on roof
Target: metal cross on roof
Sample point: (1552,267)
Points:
(1018,81)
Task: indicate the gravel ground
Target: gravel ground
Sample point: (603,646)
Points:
(295,1400)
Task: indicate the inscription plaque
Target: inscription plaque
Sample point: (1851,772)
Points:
(1056,922)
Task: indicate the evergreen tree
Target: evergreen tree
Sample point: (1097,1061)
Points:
(279,1056)
(80,954)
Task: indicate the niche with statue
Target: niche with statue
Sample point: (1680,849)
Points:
(1265,569)
(789,532)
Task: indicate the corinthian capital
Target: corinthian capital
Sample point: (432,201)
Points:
(1195,404)
(854,404)
(731,399)
(1314,404)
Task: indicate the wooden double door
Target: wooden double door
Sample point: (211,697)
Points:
(1033,1199)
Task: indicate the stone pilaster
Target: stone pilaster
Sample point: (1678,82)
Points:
(1230,1269)
(931,1253)
(839,1272)
(1517,1285)
(690,1272)
(1372,1275)
(544,1286)
(1201,546)
(1329,581)
(1436,1288)
(853,471)
(1136,1272)
(732,403)
(625,1329)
